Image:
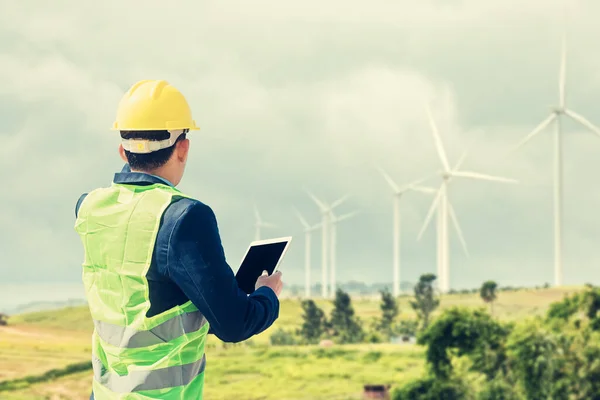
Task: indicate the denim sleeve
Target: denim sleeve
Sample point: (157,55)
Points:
(196,263)
(81,198)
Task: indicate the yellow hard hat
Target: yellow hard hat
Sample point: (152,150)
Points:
(153,105)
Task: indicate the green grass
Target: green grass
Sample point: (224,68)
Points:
(308,373)
(71,319)
(51,375)
(38,342)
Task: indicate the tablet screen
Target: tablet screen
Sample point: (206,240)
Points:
(260,257)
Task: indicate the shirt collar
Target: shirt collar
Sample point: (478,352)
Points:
(126,176)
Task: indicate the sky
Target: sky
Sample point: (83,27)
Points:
(310,95)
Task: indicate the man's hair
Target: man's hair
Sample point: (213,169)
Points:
(154,160)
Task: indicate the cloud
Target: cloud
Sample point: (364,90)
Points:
(308,95)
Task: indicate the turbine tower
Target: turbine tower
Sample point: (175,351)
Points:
(325,221)
(445,209)
(307,241)
(555,116)
(259,223)
(398,192)
(441,274)
(334,221)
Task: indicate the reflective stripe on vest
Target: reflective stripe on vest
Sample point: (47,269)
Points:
(135,357)
(136,381)
(130,338)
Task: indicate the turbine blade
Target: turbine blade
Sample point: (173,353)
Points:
(461,160)
(468,149)
(319,203)
(415,184)
(346,216)
(339,201)
(389,180)
(583,121)
(423,189)
(534,132)
(477,175)
(563,71)
(301,218)
(438,140)
(430,213)
(457,228)
(257,215)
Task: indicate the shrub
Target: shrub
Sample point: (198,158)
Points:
(499,389)
(432,388)
(407,327)
(374,337)
(282,337)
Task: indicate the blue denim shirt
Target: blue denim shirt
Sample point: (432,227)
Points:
(189,263)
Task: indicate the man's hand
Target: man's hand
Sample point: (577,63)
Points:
(272,281)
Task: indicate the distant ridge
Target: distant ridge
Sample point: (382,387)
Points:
(43,306)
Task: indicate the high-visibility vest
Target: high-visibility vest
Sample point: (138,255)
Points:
(133,356)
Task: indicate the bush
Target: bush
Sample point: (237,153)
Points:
(499,389)
(472,356)
(431,388)
(407,327)
(374,337)
(282,337)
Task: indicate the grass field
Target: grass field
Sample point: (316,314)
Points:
(35,343)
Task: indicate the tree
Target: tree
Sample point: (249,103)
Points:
(425,301)
(488,293)
(314,324)
(555,357)
(3,318)
(577,307)
(345,325)
(389,312)
(536,356)
(464,332)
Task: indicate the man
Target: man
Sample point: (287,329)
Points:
(154,270)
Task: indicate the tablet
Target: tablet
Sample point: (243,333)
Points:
(261,255)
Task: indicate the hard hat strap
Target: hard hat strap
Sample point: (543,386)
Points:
(145,146)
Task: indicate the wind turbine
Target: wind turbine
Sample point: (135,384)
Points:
(334,221)
(441,273)
(259,223)
(555,116)
(307,233)
(325,217)
(441,200)
(398,192)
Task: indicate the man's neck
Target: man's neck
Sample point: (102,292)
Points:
(160,173)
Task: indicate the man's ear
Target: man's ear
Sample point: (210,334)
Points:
(182,149)
(122,154)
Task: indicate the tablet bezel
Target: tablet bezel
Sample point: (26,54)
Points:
(287,239)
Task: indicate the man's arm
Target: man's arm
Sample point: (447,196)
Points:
(81,198)
(196,263)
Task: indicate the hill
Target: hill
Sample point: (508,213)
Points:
(510,305)
(43,306)
(34,343)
